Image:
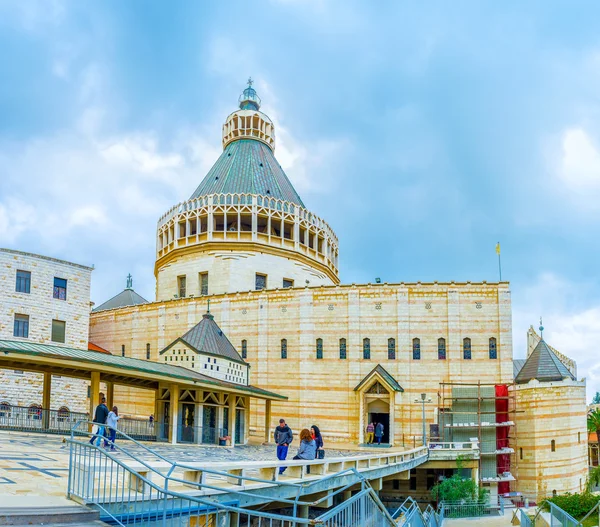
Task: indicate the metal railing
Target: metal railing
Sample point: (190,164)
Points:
(37,419)
(473,509)
(148,495)
(409,514)
(526,521)
(560,518)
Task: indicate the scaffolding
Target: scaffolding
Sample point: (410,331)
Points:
(485,412)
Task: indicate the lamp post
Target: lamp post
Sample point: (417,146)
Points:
(423,400)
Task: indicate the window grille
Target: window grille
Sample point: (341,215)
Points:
(493,349)
(284,348)
(23,282)
(366,349)
(391,349)
(21,327)
(319,348)
(442,349)
(342,348)
(60,289)
(467,348)
(416,349)
(204,283)
(148,351)
(244,349)
(260,282)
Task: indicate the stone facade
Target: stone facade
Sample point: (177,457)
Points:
(551,441)
(39,304)
(179,354)
(321,391)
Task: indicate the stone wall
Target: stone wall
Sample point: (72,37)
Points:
(25,389)
(321,391)
(546,412)
(39,304)
(234,270)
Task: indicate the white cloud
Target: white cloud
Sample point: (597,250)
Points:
(572,323)
(141,154)
(580,168)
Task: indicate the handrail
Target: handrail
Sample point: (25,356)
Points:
(168,476)
(212,505)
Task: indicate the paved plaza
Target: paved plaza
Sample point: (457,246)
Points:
(38,464)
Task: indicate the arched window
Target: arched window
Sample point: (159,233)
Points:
(34,411)
(122,350)
(521,453)
(493,349)
(284,348)
(392,349)
(366,349)
(342,348)
(579,437)
(441,349)
(148,351)
(467,348)
(416,349)
(63,413)
(319,348)
(553,445)
(4,409)
(244,349)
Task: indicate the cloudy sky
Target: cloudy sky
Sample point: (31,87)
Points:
(423,136)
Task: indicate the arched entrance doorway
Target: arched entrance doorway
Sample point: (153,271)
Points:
(377,400)
(378,395)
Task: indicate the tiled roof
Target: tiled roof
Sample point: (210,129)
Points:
(517,365)
(127,297)
(94,347)
(543,365)
(207,337)
(126,364)
(387,377)
(248,166)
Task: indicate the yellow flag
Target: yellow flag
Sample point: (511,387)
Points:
(498,248)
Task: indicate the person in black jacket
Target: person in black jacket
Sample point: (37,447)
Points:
(100,416)
(283,439)
(318,438)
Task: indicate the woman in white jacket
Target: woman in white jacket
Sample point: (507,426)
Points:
(111,421)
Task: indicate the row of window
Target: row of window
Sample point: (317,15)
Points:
(23,285)
(260,283)
(416,349)
(21,328)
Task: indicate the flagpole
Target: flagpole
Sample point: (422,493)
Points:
(499,261)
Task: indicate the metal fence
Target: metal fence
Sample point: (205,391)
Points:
(473,510)
(146,497)
(409,514)
(560,518)
(38,419)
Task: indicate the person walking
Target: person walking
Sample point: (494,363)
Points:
(370,433)
(100,416)
(379,432)
(283,439)
(111,422)
(308,447)
(318,439)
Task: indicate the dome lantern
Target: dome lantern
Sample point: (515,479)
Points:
(249,100)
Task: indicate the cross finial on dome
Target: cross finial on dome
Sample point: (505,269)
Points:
(541,329)
(129,281)
(249,100)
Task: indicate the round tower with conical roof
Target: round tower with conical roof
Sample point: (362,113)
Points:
(245,227)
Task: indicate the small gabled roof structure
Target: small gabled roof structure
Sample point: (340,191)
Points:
(207,337)
(380,371)
(127,297)
(543,365)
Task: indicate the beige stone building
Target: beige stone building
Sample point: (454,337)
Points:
(47,301)
(344,355)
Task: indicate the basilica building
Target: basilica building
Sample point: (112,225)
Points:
(245,256)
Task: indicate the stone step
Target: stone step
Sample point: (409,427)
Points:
(71,515)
